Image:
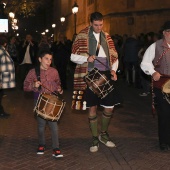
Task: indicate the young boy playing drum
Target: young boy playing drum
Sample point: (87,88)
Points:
(45,79)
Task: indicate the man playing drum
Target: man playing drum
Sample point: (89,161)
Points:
(156,62)
(94,48)
(48,79)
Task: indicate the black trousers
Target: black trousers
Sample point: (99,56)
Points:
(1,96)
(163,110)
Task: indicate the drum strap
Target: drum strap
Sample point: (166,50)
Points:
(37,71)
(98,45)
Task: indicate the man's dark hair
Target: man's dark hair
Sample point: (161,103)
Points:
(3,40)
(96,16)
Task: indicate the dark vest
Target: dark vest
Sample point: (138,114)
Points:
(162,65)
(93,44)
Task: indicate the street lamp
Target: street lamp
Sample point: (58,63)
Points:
(53,26)
(74,11)
(62,19)
(11,15)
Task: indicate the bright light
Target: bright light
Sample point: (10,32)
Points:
(15,21)
(46,30)
(4,4)
(53,25)
(17,34)
(15,27)
(43,33)
(62,19)
(75,8)
(3,25)
(11,15)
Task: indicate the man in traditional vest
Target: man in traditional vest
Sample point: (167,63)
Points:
(94,48)
(156,62)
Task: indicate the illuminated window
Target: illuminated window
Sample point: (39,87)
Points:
(90,2)
(130,3)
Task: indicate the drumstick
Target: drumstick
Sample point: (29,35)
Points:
(49,90)
(98,61)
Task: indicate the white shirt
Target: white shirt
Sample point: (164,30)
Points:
(27,58)
(79,59)
(146,64)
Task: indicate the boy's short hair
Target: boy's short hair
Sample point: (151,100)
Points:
(43,52)
(96,16)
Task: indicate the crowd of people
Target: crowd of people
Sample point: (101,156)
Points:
(143,61)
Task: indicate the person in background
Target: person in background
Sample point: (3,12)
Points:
(131,61)
(27,58)
(156,62)
(61,52)
(12,49)
(49,78)
(7,73)
(44,43)
(90,44)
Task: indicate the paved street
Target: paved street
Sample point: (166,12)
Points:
(132,128)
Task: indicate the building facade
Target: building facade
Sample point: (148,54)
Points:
(120,16)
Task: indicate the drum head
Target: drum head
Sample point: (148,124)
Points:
(166,87)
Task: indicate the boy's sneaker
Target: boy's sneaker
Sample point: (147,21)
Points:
(57,153)
(95,144)
(41,149)
(104,138)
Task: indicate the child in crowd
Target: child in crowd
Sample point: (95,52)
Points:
(48,77)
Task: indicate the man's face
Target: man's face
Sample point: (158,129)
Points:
(97,26)
(28,38)
(166,34)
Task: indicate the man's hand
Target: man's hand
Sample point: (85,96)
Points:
(156,76)
(114,75)
(60,90)
(91,58)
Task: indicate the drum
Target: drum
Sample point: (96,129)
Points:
(49,107)
(166,90)
(98,83)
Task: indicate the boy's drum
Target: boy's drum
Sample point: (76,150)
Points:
(98,83)
(49,107)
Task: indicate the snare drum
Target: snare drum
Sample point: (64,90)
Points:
(166,90)
(98,83)
(49,107)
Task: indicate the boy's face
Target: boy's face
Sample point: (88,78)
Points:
(45,61)
(97,26)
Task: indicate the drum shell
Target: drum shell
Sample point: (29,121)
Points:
(99,82)
(49,107)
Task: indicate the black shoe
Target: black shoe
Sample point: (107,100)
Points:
(164,147)
(4,115)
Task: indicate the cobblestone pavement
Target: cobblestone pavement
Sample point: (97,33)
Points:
(132,128)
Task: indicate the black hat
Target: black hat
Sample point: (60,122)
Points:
(166,25)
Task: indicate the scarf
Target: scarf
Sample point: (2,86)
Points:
(81,47)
